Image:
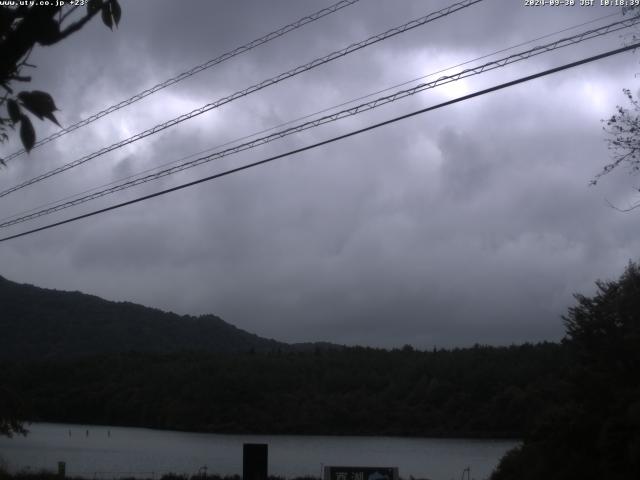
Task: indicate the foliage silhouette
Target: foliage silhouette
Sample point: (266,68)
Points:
(623,131)
(21,29)
(474,392)
(595,432)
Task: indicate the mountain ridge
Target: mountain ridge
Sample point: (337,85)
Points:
(41,323)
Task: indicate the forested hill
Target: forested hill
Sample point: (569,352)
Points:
(38,323)
(134,365)
(475,392)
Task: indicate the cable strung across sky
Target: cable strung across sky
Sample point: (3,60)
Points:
(191,72)
(254,88)
(331,140)
(516,57)
(59,202)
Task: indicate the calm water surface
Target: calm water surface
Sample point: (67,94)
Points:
(110,452)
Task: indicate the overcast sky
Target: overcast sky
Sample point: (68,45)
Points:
(471,223)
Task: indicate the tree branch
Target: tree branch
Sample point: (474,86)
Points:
(68,12)
(74,27)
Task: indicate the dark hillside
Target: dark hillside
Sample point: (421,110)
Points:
(476,392)
(38,323)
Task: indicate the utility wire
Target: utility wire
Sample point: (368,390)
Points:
(254,88)
(289,122)
(304,117)
(189,73)
(331,140)
(310,115)
(516,57)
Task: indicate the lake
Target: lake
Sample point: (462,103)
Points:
(111,452)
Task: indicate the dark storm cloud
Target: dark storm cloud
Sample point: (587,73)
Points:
(473,223)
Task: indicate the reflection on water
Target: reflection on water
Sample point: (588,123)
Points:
(108,452)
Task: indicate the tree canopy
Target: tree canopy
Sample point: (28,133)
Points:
(595,433)
(623,137)
(623,131)
(474,392)
(23,27)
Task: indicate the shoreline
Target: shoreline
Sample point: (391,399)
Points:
(478,436)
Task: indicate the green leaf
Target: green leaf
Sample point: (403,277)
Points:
(116,11)
(106,16)
(14,110)
(40,104)
(93,6)
(27,133)
(52,118)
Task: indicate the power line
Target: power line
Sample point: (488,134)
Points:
(516,57)
(254,88)
(304,117)
(289,122)
(310,115)
(331,140)
(189,73)
(336,116)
